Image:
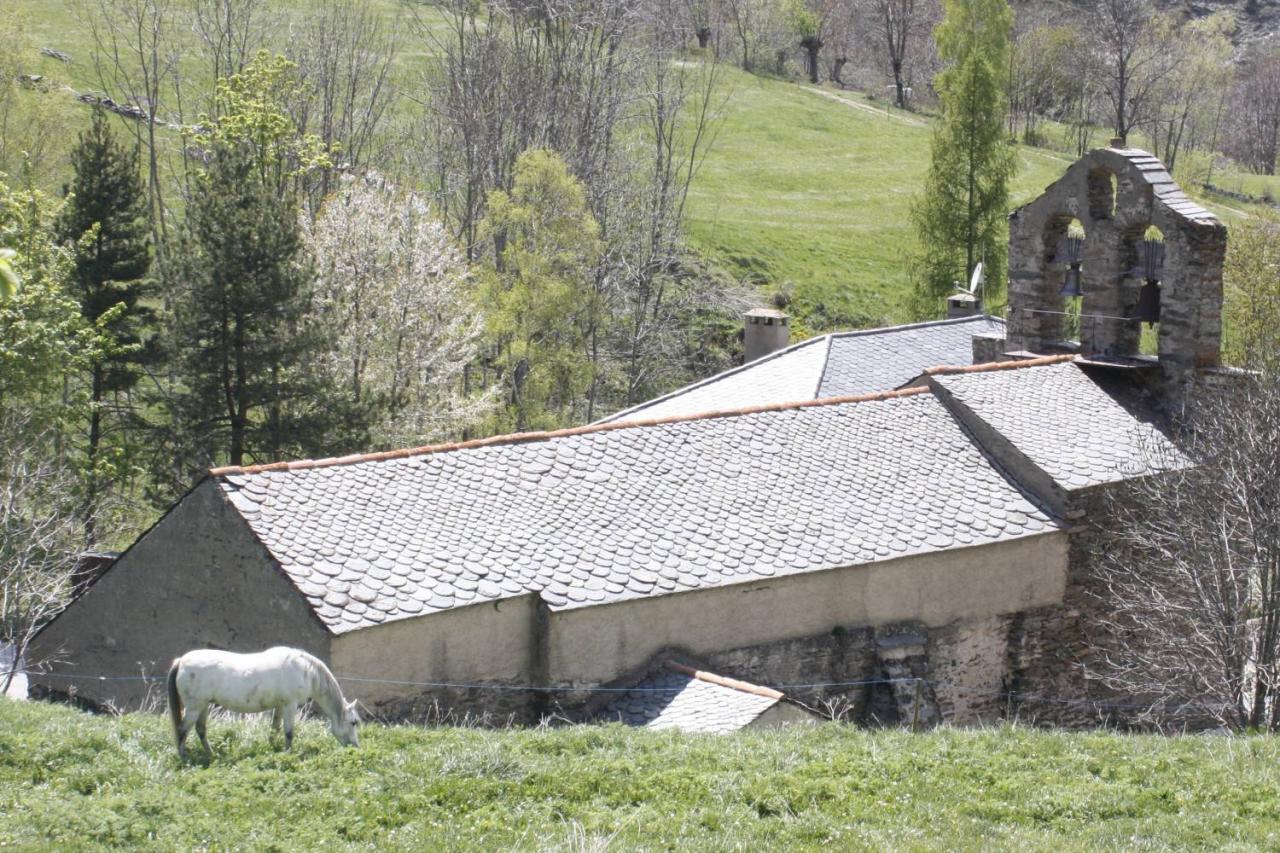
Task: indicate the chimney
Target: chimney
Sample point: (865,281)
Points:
(765,331)
(962,305)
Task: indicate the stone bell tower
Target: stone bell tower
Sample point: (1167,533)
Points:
(1116,195)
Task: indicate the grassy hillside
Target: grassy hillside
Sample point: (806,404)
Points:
(810,190)
(67,779)
(806,190)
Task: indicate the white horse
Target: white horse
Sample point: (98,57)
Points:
(280,678)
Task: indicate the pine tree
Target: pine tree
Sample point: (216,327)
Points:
(242,334)
(960,217)
(105,223)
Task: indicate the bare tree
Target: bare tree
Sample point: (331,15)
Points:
(1190,559)
(345,54)
(897,24)
(135,58)
(1189,106)
(40,535)
(1257,113)
(1131,59)
(230,33)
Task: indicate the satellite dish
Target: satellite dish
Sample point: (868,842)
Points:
(975,280)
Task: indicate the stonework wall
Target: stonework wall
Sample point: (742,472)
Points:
(198,579)
(1116,194)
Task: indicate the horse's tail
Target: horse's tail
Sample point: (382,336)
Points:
(175,701)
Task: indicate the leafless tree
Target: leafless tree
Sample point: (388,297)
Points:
(345,53)
(1257,113)
(1191,567)
(1131,59)
(40,534)
(897,25)
(135,59)
(229,34)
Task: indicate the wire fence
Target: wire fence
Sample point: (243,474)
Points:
(1168,705)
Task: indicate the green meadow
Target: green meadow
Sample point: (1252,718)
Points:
(69,780)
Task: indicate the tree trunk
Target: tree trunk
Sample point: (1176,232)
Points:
(837,67)
(812,45)
(704,37)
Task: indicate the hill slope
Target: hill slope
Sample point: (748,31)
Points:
(71,779)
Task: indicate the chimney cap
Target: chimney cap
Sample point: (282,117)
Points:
(755,315)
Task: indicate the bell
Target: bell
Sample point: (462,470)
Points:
(1148,310)
(1071,283)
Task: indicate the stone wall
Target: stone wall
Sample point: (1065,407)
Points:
(1116,194)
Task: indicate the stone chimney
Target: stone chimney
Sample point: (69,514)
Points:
(766,330)
(963,305)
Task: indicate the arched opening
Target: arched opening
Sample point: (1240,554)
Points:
(1102,194)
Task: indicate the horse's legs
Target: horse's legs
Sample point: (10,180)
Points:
(287,712)
(190,717)
(202,727)
(275,719)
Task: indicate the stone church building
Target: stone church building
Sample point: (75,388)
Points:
(831,519)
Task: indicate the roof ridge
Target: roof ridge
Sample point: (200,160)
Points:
(798,345)
(530,437)
(991,366)
(722,681)
(923,324)
(609,426)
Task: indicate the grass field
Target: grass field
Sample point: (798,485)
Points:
(69,780)
(810,190)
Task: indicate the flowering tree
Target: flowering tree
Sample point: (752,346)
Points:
(394,293)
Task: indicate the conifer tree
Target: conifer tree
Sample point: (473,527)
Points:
(242,334)
(960,217)
(104,222)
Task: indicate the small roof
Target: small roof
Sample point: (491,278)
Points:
(602,514)
(681,697)
(837,364)
(1063,422)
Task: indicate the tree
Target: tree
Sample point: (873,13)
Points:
(897,22)
(1188,109)
(105,223)
(40,534)
(1132,60)
(960,217)
(394,297)
(1257,113)
(241,333)
(541,296)
(1190,562)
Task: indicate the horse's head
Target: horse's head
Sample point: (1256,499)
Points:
(344,724)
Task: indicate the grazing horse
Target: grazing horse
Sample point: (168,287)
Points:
(281,678)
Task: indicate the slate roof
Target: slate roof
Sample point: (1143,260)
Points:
(1064,423)
(605,514)
(678,697)
(838,364)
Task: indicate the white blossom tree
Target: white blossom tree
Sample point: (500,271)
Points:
(394,292)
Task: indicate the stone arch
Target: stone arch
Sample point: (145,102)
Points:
(1117,193)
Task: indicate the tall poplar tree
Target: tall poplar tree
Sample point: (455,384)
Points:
(960,217)
(104,222)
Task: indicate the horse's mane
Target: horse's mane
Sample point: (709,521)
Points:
(323,679)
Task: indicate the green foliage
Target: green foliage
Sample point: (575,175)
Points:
(960,218)
(70,779)
(252,113)
(1251,280)
(543,303)
(44,339)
